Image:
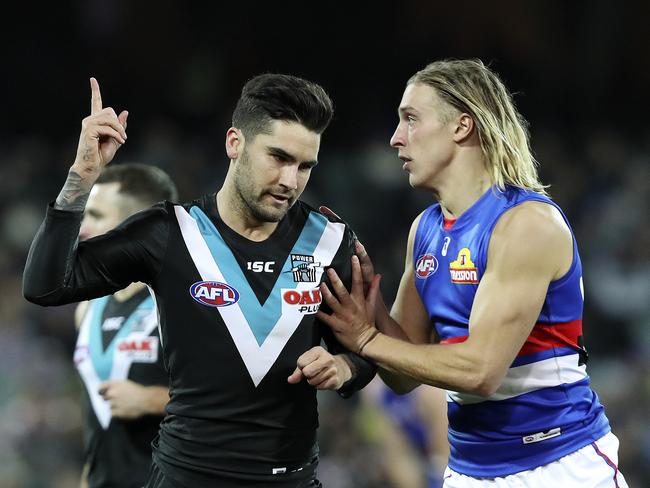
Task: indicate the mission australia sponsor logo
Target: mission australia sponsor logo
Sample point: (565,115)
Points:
(426,265)
(303,268)
(214,293)
(304,301)
(463,271)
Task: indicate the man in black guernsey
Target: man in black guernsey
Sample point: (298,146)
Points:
(235,277)
(118,353)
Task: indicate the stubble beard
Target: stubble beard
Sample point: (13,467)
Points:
(250,201)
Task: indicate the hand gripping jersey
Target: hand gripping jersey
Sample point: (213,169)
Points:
(235,315)
(118,341)
(544,408)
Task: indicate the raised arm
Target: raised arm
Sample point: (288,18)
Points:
(102,133)
(60,270)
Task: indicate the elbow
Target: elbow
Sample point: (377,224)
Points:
(31,295)
(403,389)
(482,383)
(40,297)
(35,298)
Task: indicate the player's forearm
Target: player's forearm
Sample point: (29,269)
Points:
(49,258)
(74,194)
(457,367)
(389,326)
(397,382)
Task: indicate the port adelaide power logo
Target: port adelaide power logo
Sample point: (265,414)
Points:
(303,268)
(214,294)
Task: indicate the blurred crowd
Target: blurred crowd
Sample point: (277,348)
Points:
(602,181)
(178,73)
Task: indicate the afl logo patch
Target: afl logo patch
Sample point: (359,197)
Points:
(214,294)
(426,265)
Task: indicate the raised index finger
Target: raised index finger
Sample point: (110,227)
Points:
(95,97)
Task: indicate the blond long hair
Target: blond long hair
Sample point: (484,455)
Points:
(470,87)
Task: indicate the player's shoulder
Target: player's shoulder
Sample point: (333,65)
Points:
(533,218)
(324,214)
(80,312)
(534,231)
(206,202)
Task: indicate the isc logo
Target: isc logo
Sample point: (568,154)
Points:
(214,294)
(260,266)
(426,265)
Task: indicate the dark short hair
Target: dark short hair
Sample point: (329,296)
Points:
(146,183)
(269,97)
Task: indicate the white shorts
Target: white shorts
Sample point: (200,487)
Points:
(593,466)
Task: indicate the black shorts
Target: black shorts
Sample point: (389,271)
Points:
(157,479)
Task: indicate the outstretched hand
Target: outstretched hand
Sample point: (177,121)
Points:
(102,133)
(353,314)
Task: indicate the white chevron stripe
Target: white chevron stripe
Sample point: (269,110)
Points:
(530,377)
(257,359)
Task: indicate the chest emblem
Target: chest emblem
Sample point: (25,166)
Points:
(214,293)
(426,265)
(463,270)
(303,268)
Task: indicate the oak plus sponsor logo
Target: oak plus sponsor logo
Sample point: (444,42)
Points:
(141,350)
(426,265)
(214,293)
(303,268)
(463,270)
(304,301)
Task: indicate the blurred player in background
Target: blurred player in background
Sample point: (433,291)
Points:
(493,266)
(410,432)
(118,353)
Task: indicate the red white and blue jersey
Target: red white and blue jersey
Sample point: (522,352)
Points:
(544,408)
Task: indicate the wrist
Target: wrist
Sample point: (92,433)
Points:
(76,189)
(156,398)
(87,175)
(347,369)
(371,335)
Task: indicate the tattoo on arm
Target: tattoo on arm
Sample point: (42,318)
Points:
(73,195)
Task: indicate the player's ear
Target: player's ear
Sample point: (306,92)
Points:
(234,143)
(463,127)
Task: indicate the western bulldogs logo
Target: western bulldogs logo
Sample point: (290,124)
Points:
(426,265)
(214,294)
(303,268)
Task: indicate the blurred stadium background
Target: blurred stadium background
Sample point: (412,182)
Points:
(580,70)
